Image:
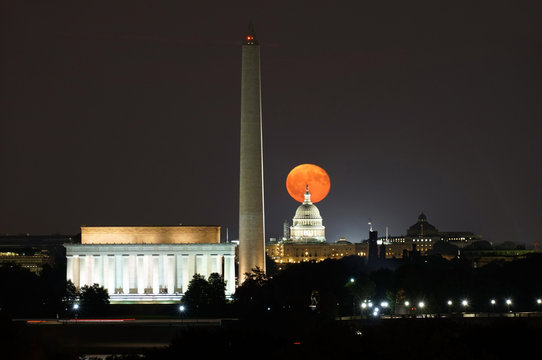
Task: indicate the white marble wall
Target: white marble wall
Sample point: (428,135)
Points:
(148,269)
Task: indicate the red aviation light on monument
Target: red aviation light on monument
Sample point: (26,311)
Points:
(250,39)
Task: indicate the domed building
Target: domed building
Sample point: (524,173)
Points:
(422,228)
(305,240)
(307,223)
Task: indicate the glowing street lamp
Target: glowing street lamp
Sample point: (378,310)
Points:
(465,303)
(450,303)
(182,309)
(76,309)
(509,304)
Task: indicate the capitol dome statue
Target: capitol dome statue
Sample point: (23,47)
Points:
(307,223)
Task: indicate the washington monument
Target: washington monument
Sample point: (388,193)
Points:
(251,204)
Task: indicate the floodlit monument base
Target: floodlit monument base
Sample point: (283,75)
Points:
(137,272)
(144,299)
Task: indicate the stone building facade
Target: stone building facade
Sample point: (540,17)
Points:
(149,263)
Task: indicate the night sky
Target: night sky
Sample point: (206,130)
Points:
(128,113)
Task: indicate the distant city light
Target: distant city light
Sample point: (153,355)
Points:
(465,303)
(363,305)
(508,302)
(384,304)
(421,304)
(182,308)
(352,280)
(493,302)
(76,306)
(539,301)
(450,302)
(407,303)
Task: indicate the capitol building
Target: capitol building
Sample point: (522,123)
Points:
(305,240)
(307,223)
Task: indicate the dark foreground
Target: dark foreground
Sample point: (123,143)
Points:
(281,338)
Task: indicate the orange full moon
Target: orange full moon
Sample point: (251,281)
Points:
(308,174)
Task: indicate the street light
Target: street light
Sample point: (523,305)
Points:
(465,303)
(450,303)
(492,302)
(182,309)
(509,304)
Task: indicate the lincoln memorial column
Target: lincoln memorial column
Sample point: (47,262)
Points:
(140,276)
(69,267)
(119,273)
(147,259)
(187,270)
(201,266)
(229,273)
(83,270)
(170,273)
(105,271)
(112,273)
(179,278)
(90,270)
(76,270)
(127,273)
(155,269)
(161,273)
(215,264)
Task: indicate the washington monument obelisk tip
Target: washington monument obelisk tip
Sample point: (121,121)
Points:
(251,202)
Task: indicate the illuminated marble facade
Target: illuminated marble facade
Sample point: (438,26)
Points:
(149,264)
(307,223)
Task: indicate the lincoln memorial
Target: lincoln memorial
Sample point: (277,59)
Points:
(140,264)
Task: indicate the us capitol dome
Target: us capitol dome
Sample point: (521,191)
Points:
(307,223)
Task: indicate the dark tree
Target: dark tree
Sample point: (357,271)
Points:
(253,296)
(70,295)
(216,290)
(93,300)
(205,297)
